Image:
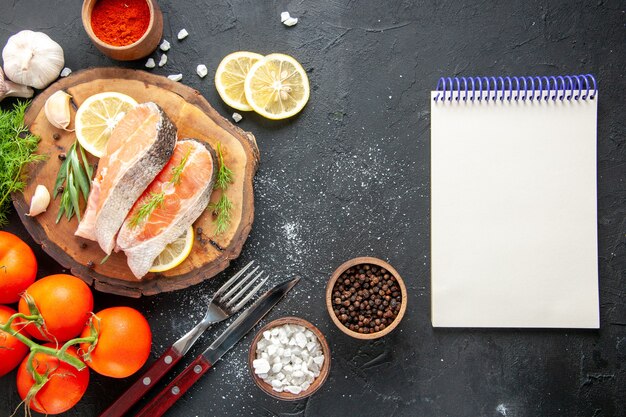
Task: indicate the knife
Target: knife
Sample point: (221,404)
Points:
(238,329)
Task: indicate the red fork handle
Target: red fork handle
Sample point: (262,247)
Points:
(145,382)
(170,394)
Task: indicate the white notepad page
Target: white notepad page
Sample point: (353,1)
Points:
(513,213)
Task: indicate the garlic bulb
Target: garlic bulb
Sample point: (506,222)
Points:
(57,109)
(32,58)
(39,202)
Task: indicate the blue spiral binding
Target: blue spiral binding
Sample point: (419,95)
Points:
(555,88)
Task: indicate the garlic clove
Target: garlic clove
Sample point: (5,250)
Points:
(39,202)
(57,109)
(10,89)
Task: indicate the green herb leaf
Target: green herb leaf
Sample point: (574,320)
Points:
(76,173)
(177,171)
(61,177)
(222,210)
(224,174)
(150,204)
(17,148)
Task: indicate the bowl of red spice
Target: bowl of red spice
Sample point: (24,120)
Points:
(366,298)
(123,29)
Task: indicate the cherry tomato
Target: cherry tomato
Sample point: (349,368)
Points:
(18,267)
(12,351)
(123,343)
(65,387)
(64,301)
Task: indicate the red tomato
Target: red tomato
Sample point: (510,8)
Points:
(65,387)
(18,267)
(123,343)
(65,303)
(12,351)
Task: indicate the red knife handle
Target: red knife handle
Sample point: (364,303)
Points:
(170,394)
(133,394)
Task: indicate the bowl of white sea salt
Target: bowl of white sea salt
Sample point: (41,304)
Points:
(289,359)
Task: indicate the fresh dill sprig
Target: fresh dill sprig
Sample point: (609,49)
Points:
(17,148)
(224,174)
(222,209)
(177,171)
(75,172)
(154,201)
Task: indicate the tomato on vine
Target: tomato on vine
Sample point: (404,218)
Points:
(49,385)
(123,342)
(18,267)
(65,303)
(12,351)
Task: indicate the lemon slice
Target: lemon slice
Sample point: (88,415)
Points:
(96,118)
(175,253)
(230,76)
(277,87)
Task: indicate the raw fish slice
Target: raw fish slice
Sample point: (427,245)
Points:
(181,201)
(140,145)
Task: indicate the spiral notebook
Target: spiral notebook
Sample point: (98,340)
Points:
(513,202)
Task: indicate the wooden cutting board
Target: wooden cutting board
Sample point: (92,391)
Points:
(194,118)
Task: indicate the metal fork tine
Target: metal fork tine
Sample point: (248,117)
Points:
(231,281)
(242,292)
(241,282)
(249,296)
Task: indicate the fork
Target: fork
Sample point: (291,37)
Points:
(226,301)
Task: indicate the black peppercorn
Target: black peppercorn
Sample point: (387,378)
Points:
(62,156)
(56,136)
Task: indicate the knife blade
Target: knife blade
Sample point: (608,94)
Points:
(229,338)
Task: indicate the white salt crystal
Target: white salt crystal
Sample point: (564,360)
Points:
(301,339)
(298,374)
(261,366)
(276,383)
(305,386)
(266,335)
(319,359)
(277,367)
(150,63)
(292,341)
(293,389)
(175,77)
(292,21)
(202,71)
(274,331)
(288,368)
(165,45)
(182,34)
(163,60)
(65,72)
(284,16)
(271,350)
(311,346)
(237,118)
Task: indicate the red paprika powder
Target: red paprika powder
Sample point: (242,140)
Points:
(120,22)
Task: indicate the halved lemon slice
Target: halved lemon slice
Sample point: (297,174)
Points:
(96,118)
(277,86)
(175,253)
(230,76)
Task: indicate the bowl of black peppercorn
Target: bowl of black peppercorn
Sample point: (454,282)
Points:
(366,298)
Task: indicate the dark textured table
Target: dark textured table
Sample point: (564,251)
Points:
(349,176)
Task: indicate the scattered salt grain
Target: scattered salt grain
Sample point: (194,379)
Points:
(288,358)
(182,34)
(287,20)
(150,63)
(165,45)
(163,60)
(66,71)
(237,118)
(202,70)
(175,77)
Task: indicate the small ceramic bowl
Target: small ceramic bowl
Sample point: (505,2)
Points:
(356,262)
(141,48)
(317,382)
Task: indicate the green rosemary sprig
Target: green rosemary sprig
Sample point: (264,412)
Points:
(149,205)
(75,172)
(223,208)
(17,148)
(156,199)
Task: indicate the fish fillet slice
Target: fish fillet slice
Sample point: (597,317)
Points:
(143,238)
(140,145)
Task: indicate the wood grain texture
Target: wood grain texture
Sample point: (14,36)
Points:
(195,118)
